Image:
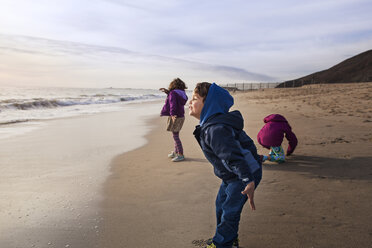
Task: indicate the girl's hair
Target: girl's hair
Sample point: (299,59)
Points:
(177,84)
(202,89)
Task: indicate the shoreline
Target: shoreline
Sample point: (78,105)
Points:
(21,127)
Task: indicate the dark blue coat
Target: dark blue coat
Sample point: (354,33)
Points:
(228,148)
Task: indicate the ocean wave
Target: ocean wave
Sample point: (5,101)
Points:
(143,97)
(13,122)
(40,103)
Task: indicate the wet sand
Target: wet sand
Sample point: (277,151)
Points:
(51,177)
(319,198)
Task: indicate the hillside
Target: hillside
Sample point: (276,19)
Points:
(352,70)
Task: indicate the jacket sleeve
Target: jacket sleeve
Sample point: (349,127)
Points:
(165,110)
(292,140)
(222,141)
(173,103)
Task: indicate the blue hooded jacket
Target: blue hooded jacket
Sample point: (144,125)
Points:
(220,134)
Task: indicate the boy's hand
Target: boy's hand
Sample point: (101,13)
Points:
(249,191)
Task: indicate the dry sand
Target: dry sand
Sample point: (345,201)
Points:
(321,197)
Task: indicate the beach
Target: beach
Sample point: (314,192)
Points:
(319,198)
(88,90)
(104,179)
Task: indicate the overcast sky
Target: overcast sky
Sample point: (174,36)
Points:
(147,43)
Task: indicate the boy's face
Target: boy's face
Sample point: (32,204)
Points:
(196,105)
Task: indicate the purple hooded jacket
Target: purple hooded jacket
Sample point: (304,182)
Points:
(174,104)
(273,131)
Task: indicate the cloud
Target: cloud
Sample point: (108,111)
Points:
(104,62)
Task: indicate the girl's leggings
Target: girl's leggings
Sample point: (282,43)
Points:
(177,143)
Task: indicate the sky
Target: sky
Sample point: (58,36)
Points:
(147,43)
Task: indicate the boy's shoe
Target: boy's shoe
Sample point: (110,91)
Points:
(211,245)
(178,158)
(278,159)
(172,154)
(278,154)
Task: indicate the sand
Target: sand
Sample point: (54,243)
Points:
(321,197)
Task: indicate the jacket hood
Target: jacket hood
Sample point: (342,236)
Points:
(274,118)
(217,101)
(182,94)
(233,119)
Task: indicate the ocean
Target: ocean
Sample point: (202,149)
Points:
(30,106)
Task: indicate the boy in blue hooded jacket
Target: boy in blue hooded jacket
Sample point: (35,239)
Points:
(233,155)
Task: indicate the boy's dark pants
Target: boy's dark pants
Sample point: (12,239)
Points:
(229,205)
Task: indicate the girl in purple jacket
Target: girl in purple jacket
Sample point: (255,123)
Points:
(271,137)
(174,108)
